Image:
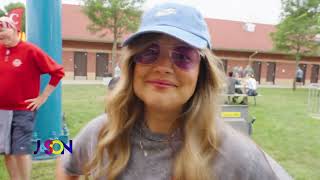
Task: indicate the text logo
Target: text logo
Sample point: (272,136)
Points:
(54,147)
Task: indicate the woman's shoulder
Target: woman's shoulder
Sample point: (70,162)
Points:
(87,139)
(84,146)
(238,156)
(95,123)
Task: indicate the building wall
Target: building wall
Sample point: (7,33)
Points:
(284,72)
(70,47)
(67,62)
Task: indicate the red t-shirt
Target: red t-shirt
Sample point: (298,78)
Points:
(20,70)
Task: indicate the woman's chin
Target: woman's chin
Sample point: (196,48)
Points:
(161,103)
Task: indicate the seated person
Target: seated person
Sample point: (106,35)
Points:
(238,89)
(252,86)
(231,83)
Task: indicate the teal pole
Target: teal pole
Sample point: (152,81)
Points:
(43,28)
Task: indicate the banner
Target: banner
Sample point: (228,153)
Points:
(16,15)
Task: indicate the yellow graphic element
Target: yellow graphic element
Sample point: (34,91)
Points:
(22,36)
(60,144)
(231,114)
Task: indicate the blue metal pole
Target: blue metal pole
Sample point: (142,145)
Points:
(43,20)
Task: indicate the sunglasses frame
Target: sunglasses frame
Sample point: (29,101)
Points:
(138,59)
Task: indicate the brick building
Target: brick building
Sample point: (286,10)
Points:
(87,55)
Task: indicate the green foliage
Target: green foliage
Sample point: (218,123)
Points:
(118,17)
(296,34)
(2,13)
(11,6)
(297,31)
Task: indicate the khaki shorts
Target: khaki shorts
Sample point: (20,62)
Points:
(16,128)
(21,132)
(5,131)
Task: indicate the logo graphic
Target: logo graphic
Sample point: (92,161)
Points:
(53,147)
(166,12)
(14,17)
(16,63)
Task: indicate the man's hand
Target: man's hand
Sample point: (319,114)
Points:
(36,102)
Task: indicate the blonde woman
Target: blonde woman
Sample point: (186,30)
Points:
(162,116)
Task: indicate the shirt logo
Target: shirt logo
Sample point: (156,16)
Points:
(16,63)
(166,12)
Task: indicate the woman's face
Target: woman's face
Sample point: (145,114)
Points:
(165,84)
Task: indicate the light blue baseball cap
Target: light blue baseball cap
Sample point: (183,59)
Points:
(180,21)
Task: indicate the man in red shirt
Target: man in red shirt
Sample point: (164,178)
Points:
(21,64)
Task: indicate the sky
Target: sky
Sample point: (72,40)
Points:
(254,11)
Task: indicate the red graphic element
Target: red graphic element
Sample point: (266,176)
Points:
(16,15)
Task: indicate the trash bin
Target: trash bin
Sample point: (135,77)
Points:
(238,117)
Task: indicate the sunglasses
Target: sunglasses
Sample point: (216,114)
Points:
(184,57)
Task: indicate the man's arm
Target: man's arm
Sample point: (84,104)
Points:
(35,103)
(46,65)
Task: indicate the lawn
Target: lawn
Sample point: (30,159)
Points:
(283,128)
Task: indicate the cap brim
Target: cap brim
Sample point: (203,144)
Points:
(182,35)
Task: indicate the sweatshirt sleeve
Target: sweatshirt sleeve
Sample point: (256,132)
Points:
(47,65)
(84,146)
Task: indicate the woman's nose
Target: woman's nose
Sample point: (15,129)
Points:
(164,63)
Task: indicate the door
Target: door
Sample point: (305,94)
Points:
(80,65)
(271,72)
(101,65)
(314,73)
(256,66)
(304,69)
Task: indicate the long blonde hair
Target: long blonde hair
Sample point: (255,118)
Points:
(200,141)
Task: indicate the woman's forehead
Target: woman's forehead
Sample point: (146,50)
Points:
(169,40)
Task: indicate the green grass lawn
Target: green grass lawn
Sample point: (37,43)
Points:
(286,131)
(283,128)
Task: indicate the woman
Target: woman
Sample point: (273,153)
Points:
(161,120)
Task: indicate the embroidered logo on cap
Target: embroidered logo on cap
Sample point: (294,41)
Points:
(166,12)
(16,63)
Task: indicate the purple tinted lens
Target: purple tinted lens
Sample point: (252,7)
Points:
(149,55)
(185,57)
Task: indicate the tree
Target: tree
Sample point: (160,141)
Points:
(12,6)
(2,13)
(118,17)
(296,33)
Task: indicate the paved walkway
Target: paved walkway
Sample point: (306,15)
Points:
(87,82)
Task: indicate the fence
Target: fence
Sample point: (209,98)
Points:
(314,100)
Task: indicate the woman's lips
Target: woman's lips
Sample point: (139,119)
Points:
(161,83)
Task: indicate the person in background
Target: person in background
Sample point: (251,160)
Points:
(21,65)
(251,86)
(115,78)
(299,75)
(235,70)
(162,119)
(241,72)
(117,71)
(231,83)
(248,71)
(231,90)
(238,86)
